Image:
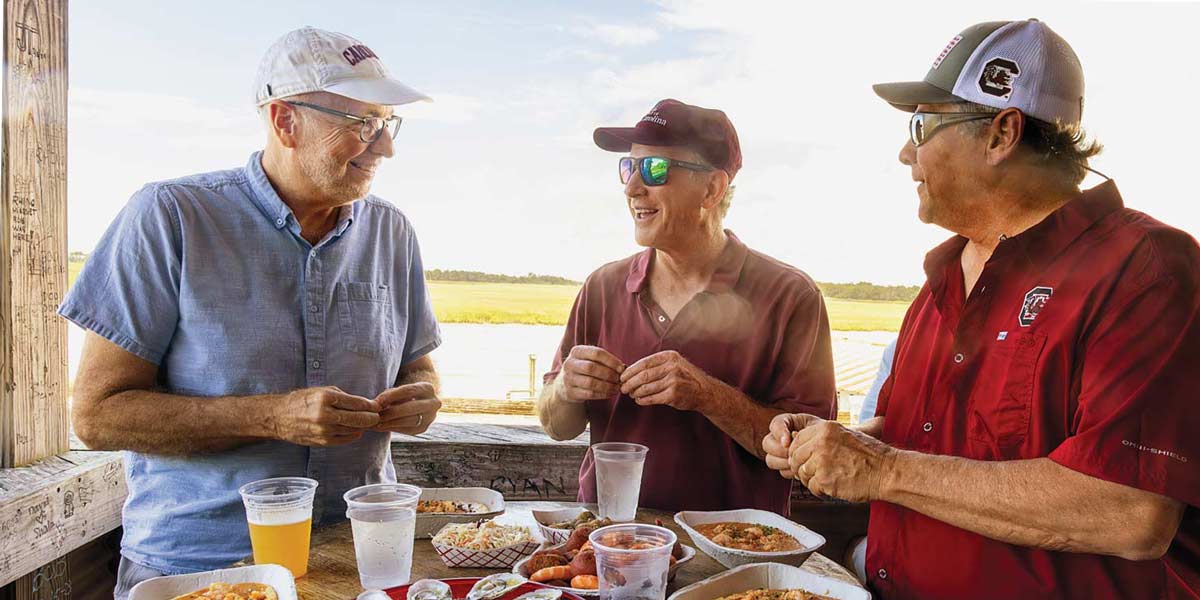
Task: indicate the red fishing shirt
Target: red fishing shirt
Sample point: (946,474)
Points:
(1080,342)
(760,327)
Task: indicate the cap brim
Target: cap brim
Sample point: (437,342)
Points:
(906,95)
(387,92)
(621,139)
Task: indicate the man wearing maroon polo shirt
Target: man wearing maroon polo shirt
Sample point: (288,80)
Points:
(1038,437)
(692,346)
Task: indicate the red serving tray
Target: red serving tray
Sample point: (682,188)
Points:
(460,586)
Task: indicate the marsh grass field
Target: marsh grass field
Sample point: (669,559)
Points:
(544,304)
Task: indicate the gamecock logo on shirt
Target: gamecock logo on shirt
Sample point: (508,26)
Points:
(1035,301)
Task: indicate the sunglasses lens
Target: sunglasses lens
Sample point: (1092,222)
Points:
(626,169)
(917,129)
(654,170)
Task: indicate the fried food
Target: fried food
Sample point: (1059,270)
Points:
(450,507)
(233,591)
(748,536)
(765,594)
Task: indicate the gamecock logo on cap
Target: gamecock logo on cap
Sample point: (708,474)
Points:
(997,77)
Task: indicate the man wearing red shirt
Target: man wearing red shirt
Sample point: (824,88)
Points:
(692,346)
(1037,437)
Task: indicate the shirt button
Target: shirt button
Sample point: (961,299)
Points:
(662,319)
(313,308)
(958,358)
(927,427)
(313,253)
(883,573)
(279,221)
(316,364)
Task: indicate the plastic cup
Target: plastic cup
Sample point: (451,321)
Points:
(619,479)
(279,513)
(633,561)
(383,519)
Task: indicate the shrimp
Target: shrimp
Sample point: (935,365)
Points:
(550,573)
(585,582)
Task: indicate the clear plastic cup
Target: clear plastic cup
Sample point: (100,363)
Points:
(279,514)
(383,519)
(633,561)
(618,479)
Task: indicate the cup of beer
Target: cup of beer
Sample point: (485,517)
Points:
(279,512)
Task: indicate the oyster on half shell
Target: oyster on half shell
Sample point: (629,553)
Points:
(495,586)
(430,589)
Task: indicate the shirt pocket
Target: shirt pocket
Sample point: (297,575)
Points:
(1002,398)
(368,326)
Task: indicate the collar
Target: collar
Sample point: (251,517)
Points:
(1042,242)
(264,196)
(273,207)
(729,267)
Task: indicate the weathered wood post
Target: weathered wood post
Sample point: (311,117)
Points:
(33,233)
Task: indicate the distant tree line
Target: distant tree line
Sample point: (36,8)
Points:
(476,276)
(869,291)
(845,291)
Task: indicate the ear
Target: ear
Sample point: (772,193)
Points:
(284,126)
(714,189)
(1004,135)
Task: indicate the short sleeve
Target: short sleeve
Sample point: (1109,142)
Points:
(575,332)
(128,290)
(1137,419)
(423,334)
(803,381)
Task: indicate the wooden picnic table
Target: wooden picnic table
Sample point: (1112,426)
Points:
(333,573)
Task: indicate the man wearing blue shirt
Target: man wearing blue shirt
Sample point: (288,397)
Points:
(265,321)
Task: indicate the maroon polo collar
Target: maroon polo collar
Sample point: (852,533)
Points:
(729,267)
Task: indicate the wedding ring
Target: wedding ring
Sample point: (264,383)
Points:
(420,419)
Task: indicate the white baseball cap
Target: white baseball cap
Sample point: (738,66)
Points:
(1002,64)
(314,60)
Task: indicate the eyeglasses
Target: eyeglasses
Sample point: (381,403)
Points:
(372,127)
(654,169)
(922,126)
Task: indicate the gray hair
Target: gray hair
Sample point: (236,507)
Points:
(1062,147)
(723,207)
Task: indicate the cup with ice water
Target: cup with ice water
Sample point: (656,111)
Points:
(618,478)
(279,513)
(383,519)
(633,561)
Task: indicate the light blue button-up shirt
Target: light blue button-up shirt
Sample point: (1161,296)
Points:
(208,277)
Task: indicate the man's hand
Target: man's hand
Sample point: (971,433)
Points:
(408,408)
(831,460)
(668,378)
(590,373)
(324,416)
(777,444)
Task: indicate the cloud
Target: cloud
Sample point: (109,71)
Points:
(619,35)
(447,107)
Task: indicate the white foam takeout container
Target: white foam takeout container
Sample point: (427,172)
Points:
(545,518)
(769,576)
(521,568)
(809,539)
(429,524)
(165,588)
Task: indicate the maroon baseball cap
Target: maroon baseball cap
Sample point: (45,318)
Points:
(673,123)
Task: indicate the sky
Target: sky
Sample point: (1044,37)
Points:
(500,174)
